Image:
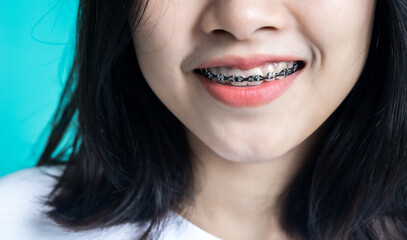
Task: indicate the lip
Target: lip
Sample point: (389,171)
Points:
(249,96)
(248,62)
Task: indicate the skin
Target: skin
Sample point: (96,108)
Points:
(246,156)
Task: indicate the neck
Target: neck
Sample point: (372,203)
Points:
(240,200)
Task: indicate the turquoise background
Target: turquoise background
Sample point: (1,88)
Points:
(36,46)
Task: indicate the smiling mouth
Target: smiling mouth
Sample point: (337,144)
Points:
(256,76)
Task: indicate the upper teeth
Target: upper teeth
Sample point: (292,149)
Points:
(254,76)
(263,70)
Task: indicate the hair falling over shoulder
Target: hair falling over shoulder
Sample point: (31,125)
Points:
(117,169)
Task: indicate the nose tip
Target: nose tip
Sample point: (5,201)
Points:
(241,19)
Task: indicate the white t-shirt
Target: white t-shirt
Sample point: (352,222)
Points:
(22,214)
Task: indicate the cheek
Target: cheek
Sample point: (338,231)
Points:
(161,72)
(156,28)
(340,33)
(336,23)
(161,44)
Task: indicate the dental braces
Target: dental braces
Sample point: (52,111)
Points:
(253,78)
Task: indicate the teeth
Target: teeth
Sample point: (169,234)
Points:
(215,70)
(236,72)
(254,71)
(254,83)
(244,83)
(270,77)
(262,71)
(254,76)
(271,68)
(223,70)
(280,67)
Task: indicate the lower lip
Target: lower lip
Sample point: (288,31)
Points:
(249,96)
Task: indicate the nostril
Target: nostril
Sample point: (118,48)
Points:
(267,29)
(221,32)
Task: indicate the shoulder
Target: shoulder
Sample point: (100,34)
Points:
(22,213)
(26,186)
(25,190)
(36,181)
(22,209)
(22,196)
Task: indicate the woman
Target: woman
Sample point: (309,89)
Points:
(234,119)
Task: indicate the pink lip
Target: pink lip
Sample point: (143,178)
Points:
(249,96)
(247,62)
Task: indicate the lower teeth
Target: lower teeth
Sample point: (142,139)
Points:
(244,83)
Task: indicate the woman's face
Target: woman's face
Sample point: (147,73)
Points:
(328,38)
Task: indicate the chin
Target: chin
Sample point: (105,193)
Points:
(248,154)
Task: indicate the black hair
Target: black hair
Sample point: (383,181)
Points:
(129,160)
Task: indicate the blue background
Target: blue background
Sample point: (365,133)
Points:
(36,46)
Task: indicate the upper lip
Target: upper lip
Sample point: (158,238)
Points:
(247,62)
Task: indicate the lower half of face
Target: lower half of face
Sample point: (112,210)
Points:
(179,42)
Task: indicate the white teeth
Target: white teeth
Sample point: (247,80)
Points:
(281,66)
(262,71)
(253,72)
(236,72)
(270,80)
(254,83)
(215,70)
(270,68)
(239,83)
(223,70)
